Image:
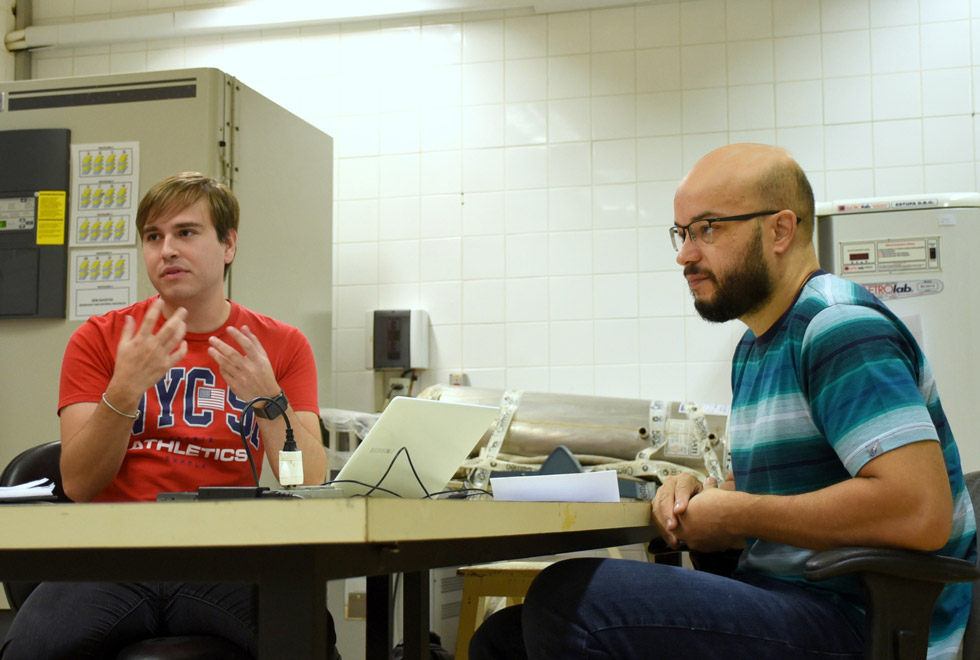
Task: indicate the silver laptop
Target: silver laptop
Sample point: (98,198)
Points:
(437,435)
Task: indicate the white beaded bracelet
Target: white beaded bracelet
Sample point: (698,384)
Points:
(117,411)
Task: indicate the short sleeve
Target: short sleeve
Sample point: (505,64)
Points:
(861,373)
(87,366)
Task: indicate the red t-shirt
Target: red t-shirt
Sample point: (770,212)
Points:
(187,434)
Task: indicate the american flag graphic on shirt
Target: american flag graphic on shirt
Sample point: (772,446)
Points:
(210,397)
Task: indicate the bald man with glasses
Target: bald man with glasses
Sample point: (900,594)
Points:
(838,438)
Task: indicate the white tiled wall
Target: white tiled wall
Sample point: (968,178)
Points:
(512,173)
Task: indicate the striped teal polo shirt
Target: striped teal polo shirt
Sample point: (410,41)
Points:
(835,382)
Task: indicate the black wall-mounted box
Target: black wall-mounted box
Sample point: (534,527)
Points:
(399,339)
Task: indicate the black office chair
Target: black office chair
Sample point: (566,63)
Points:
(971,640)
(900,587)
(44,461)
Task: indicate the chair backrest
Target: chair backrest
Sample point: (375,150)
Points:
(36,463)
(971,640)
(45,461)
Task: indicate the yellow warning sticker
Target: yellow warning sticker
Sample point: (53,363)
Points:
(51,205)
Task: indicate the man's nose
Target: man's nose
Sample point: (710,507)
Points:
(169,246)
(689,252)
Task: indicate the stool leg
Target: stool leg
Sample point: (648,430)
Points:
(468,617)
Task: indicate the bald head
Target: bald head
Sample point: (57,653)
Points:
(750,177)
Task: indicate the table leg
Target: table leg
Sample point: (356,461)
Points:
(292,611)
(416,605)
(380,633)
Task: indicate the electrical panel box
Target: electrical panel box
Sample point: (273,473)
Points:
(34,174)
(399,339)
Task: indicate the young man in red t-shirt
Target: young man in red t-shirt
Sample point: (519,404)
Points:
(151,401)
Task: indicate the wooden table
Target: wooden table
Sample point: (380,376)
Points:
(291,547)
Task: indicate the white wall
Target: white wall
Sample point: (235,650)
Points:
(513,173)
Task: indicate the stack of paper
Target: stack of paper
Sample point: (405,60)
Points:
(598,486)
(39,489)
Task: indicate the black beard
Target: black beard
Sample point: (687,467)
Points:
(742,291)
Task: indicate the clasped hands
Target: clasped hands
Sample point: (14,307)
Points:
(685,510)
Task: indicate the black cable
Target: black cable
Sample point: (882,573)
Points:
(361,483)
(241,431)
(392,464)
(377,486)
(458,491)
(384,476)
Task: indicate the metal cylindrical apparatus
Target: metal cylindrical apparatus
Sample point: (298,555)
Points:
(599,430)
(617,428)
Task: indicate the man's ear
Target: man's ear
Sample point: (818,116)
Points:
(231,245)
(785,227)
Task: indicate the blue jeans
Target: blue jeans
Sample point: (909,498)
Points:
(94,620)
(611,608)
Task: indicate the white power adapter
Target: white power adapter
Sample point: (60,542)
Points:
(290,468)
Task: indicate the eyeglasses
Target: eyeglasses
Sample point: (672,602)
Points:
(701,231)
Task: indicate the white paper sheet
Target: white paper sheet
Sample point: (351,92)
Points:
(585,487)
(39,488)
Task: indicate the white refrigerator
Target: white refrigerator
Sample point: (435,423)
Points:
(919,254)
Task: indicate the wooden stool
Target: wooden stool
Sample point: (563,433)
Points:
(509,579)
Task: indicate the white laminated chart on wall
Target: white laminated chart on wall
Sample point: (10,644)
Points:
(101,280)
(105,195)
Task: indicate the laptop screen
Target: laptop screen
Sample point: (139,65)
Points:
(437,436)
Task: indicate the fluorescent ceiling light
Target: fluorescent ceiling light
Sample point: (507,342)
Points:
(262,14)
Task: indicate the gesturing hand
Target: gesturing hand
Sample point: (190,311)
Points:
(248,372)
(143,357)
